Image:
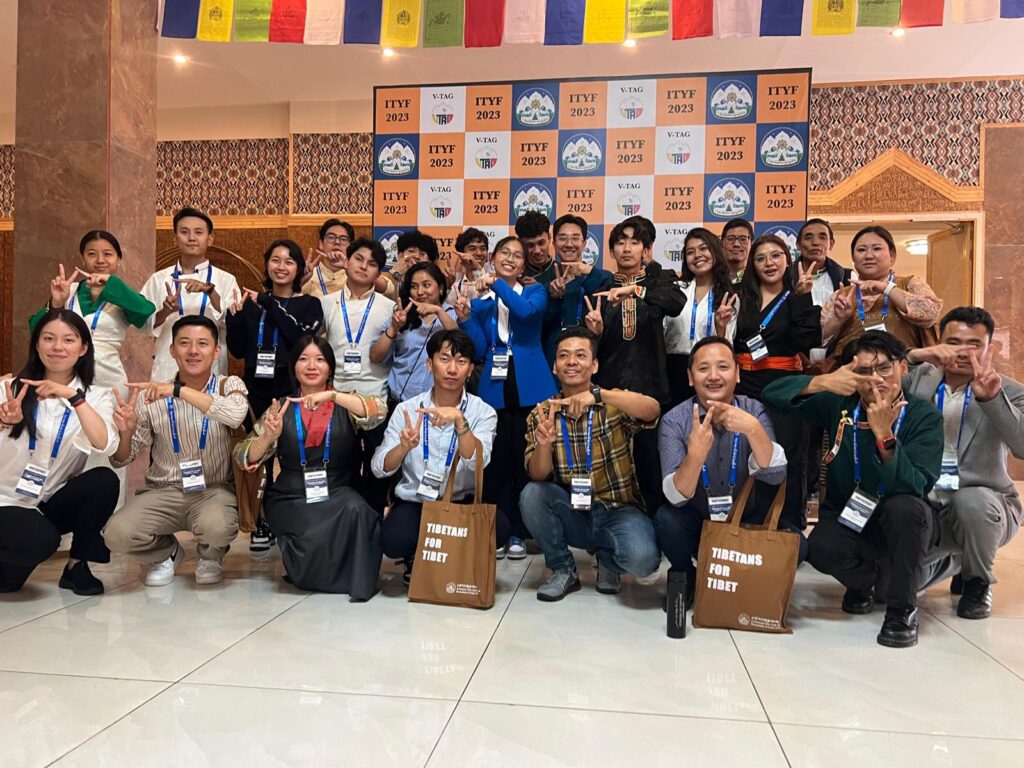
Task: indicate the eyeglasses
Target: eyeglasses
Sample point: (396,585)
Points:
(774,256)
(734,239)
(332,238)
(566,239)
(882,369)
(509,252)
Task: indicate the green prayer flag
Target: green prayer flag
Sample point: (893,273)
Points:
(442,23)
(878,13)
(648,18)
(252,21)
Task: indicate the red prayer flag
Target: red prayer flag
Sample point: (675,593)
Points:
(485,22)
(287,21)
(921,13)
(692,18)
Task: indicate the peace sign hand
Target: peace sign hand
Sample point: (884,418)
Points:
(409,437)
(273,422)
(986,383)
(400,316)
(702,434)
(60,290)
(126,418)
(725,313)
(463,308)
(173,298)
(546,434)
(10,409)
(843,302)
(557,286)
(805,280)
(594,319)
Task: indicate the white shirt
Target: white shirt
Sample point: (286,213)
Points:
(155,289)
(503,314)
(107,338)
(821,288)
(75,447)
(373,377)
(677,329)
(952,417)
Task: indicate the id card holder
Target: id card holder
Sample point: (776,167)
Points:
(858,510)
(31,481)
(192,478)
(430,485)
(352,362)
(499,366)
(949,478)
(316,485)
(719,507)
(758,349)
(265,365)
(580,489)
(876,327)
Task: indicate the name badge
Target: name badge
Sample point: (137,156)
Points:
(265,365)
(580,493)
(719,507)
(499,366)
(430,485)
(949,478)
(316,485)
(758,349)
(877,327)
(352,362)
(192,478)
(858,510)
(31,482)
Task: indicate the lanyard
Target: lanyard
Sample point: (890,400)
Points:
(206,297)
(172,417)
(57,440)
(590,442)
(778,305)
(705,477)
(451,446)
(579,306)
(302,438)
(856,453)
(263,320)
(940,396)
(320,277)
(711,313)
(362,324)
(494,328)
(96,314)
(885,303)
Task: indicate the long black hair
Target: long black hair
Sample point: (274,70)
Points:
(413,319)
(325,349)
(721,282)
(85,366)
(294,253)
(750,286)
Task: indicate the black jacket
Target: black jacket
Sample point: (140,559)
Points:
(836,272)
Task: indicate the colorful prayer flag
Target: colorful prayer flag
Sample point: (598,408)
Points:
(524,21)
(442,23)
(181,18)
(400,24)
(832,17)
(605,21)
(737,18)
(323,22)
(1011,9)
(878,13)
(648,18)
(252,21)
(362,22)
(215,20)
(692,18)
(563,22)
(921,13)
(485,21)
(287,21)
(972,11)
(782,18)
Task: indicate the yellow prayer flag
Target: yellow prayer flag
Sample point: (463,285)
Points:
(833,17)
(215,20)
(604,21)
(400,23)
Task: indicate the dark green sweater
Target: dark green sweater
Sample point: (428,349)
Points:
(915,464)
(137,308)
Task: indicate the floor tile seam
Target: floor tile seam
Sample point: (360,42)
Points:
(85,598)
(889,732)
(83,676)
(285,689)
(603,710)
(739,653)
(952,628)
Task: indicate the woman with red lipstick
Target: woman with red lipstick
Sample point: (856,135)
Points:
(328,535)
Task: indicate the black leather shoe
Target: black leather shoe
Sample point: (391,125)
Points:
(956,586)
(79,579)
(858,602)
(899,630)
(976,602)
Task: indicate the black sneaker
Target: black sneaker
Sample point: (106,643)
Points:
(858,602)
(956,585)
(976,602)
(79,579)
(899,630)
(261,539)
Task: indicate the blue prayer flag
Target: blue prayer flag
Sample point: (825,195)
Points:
(781,18)
(181,18)
(362,22)
(563,22)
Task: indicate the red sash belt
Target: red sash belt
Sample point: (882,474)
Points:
(746,363)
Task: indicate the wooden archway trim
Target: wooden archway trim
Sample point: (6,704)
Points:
(245,273)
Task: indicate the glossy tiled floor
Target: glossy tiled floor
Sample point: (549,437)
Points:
(255,673)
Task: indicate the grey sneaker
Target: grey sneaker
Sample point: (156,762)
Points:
(558,585)
(608,581)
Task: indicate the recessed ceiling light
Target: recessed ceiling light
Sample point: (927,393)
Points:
(898,32)
(180,58)
(629,42)
(388,53)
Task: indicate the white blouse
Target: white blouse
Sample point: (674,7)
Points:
(677,329)
(107,337)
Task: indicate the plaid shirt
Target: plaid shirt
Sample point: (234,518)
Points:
(612,476)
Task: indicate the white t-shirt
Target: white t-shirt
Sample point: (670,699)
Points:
(373,377)
(677,329)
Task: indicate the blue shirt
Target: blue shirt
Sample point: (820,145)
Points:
(408,358)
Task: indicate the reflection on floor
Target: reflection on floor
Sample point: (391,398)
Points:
(255,673)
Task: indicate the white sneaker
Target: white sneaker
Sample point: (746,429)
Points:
(209,572)
(648,580)
(162,574)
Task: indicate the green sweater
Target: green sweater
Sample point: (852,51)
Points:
(915,464)
(137,308)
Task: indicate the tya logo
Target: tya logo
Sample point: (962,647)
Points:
(442,114)
(535,108)
(631,108)
(782,148)
(440,207)
(732,100)
(486,158)
(673,251)
(396,158)
(628,204)
(678,153)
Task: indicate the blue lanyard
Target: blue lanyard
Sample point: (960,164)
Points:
(172,417)
(705,477)
(57,440)
(856,452)
(362,324)
(885,303)
(451,446)
(494,329)
(302,438)
(206,297)
(940,395)
(579,306)
(590,443)
(96,314)
(776,308)
(320,277)
(693,313)
(263,320)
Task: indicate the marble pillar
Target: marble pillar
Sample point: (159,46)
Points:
(85,146)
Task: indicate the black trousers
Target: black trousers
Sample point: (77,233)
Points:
(791,434)
(647,464)
(371,488)
(677,366)
(505,475)
(899,530)
(82,507)
(400,530)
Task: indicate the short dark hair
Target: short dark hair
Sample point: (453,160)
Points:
(188,212)
(200,320)
(880,342)
(578,332)
(458,342)
(326,227)
(99,234)
(561,221)
(809,222)
(373,246)
(325,349)
(969,316)
(532,224)
(643,230)
(707,341)
(874,229)
(468,235)
(295,253)
(416,239)
(738,224)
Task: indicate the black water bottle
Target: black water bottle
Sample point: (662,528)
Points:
(676,604)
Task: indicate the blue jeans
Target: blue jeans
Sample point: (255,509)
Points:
(623,536)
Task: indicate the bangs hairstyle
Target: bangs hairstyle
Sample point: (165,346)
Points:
(561,221)
(532,224)
(193,213)
(882,232)
(413,319)
(100,234)
(578,332)
(34,369)
(708,341)
(643,230)
(374,247)
(505,241)
(331,223)
(721,283)
(879,342)
(468,236)
(456,339)
(300,346)
(750,285)
(969,316)
(295,253)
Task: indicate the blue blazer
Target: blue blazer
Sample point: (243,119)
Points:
(534,379)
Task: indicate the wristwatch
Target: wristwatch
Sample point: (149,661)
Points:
(889,288)
(887,444)
(177,390)
(596,392)
(76,399)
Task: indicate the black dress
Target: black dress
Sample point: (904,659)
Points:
(332,545)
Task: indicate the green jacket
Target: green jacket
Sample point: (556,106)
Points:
(137,308)
(915,464)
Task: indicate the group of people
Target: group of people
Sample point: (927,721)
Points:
(614,411)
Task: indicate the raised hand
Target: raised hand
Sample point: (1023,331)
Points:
(986,383)
(192,285)
(804,280)
(153,390)
(845,380)
(844,302)
(409,437)
(426,310)
(546,432)
(577,404)
(173,298)
(882,413)
(702,434)
(725,313)
(941,355)
(463,308)
(442,416)
(126,418)
(273,422)
(871,287)
(484,283)
(49,390)
(400,315)
(594,319)
(469,263)
(10,409)
(732,419)
(557,286)
(312,262)
(60,290)
(314,401)
(617,294)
